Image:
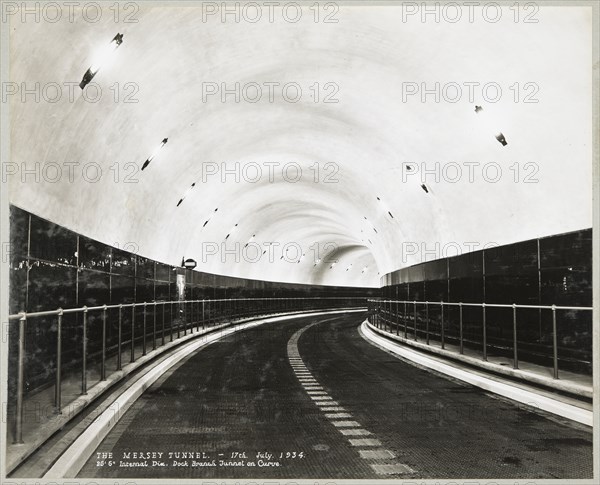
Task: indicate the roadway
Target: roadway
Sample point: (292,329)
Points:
(310,398)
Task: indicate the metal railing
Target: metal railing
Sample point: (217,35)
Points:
(391,308)
(189,315)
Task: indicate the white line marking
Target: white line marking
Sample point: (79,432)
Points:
(364,442)
(340,420)
(376,454)
(338,415)
(345,424)
(354,432)
(326,403)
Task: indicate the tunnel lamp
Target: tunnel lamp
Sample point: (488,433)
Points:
(317,262)
(499,136)
(349,267)
(250,240)
(386,208)
(364,270)
(154,153)
(231,232)
(424,187)
(101,60)
(185,195)
(332,265)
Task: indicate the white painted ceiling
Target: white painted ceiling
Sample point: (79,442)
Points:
(368,134)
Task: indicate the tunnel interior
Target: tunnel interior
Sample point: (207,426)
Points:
(177,172)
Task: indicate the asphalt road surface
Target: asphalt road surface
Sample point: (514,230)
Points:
(310,398)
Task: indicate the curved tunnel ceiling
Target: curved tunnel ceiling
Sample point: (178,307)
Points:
(362,144)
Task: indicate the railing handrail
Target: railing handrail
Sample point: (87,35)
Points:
(61,311)
(486,305)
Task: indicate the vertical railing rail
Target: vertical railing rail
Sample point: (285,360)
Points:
(84,353)
(484,331)
(119,338)
(515,354)
(415,318)
(162,337)
(58,384)
(442,326)
(554,343)
(103,363)
(460,327)
(132,347)
(144,330)
(405,322)
(20,380)
(427,322)
(154,304)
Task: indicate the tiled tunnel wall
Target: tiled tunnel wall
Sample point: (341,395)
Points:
(52,267)
(554,270)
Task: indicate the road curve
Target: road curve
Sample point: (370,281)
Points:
(310,398)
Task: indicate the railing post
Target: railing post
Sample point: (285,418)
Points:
(170,321)
(515,355)
(154,327)
(58,387)
(144,331)
(103,364)
(132,358)
(415,322)
(20,380)
(484,333)
(84,352)
(554,342)
(460,326)
(178,320)
(397,318)
(192,321)
(197,315)
(427,321)
(203,323)
(442,326)
(120,333)
(163,324)
(405,322)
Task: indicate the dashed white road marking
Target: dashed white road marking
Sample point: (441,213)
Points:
(340,418)
(376,454)
(364,442)
(345,424)
(338,415)
(354,431)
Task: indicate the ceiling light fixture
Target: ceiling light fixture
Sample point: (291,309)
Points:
(154,153)
(101,60)
(498,134)
(185,195)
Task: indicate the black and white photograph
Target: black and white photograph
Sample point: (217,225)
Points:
(300,242)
